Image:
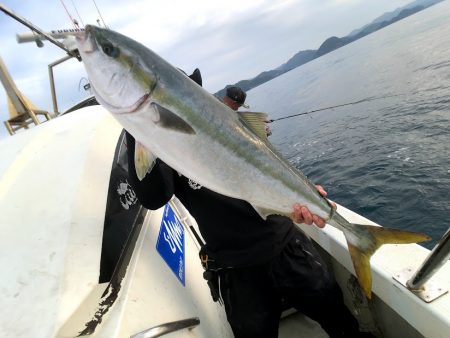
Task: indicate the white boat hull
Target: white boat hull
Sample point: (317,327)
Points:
(54,188)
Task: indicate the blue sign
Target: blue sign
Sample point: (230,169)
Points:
(170,244)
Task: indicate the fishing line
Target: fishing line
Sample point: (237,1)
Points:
(100,14)
(331,107)
(74,22)
(79,16)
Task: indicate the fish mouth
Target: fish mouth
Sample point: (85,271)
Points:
(85,41)
(122,110)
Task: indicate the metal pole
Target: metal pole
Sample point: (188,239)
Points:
(58,34)
(52,81)
(438,257)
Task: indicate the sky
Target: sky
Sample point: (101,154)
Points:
(228,40)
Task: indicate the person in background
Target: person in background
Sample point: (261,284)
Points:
(235,98)
(256,267)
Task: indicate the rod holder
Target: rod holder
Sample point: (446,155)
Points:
(437,257)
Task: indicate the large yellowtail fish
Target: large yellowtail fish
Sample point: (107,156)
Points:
(200,137)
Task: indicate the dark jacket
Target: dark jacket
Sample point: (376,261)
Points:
(234,232)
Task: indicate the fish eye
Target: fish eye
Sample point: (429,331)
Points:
(110,50)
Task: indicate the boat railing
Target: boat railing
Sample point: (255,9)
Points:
(52,80)
(162,329)
(22,120)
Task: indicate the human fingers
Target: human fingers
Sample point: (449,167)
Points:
(297,216)
(307,216)
(321,190)
(318,221)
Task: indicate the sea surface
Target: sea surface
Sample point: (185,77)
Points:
(386,157)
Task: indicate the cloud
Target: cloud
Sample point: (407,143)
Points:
(229,41)
(165,22)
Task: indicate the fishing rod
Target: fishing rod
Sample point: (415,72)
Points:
(331,107)
(25,22)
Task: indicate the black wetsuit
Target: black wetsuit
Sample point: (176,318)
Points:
(273,263)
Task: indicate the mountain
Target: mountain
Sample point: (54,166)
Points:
(295,61)
(390,15)
(378,24)
(332,44)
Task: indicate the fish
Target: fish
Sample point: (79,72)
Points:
(199,136)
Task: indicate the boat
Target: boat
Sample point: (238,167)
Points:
(81,257)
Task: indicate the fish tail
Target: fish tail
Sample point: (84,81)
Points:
(374,237)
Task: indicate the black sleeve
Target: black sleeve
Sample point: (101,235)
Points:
(157,187)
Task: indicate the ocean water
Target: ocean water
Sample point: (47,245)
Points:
(388,157)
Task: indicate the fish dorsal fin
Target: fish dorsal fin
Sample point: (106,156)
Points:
(144,160)
(167,119)
(256,122)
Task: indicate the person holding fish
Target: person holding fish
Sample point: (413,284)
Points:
(264,266)
(239,188)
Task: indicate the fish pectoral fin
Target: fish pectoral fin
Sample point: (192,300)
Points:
(374,237)
(144,160)
(256,122)
(167,119)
